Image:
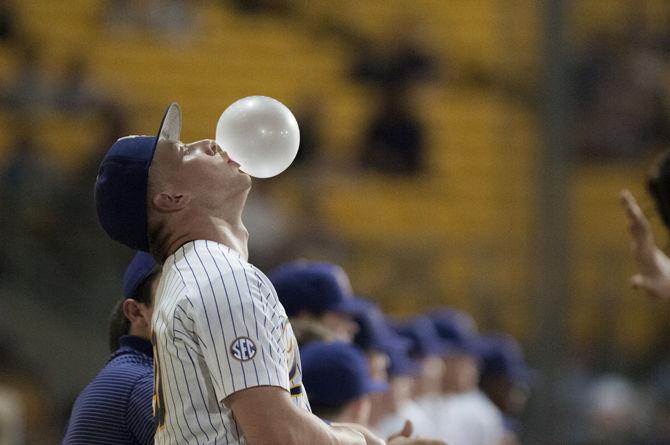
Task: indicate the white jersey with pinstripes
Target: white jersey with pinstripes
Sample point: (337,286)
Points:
(218,328)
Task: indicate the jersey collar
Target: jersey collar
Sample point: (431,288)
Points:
(137,343)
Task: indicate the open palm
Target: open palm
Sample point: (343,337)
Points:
(653,265)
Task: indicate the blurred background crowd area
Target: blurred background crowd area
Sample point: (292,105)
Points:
(420,171)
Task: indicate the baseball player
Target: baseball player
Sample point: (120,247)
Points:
(464,415)
(115,408)
(505,379)
(227,367)
(338,381)
(425,349)
(315,293)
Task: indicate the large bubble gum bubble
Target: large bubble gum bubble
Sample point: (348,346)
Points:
(260,134)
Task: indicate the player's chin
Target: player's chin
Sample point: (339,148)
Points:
(244,177)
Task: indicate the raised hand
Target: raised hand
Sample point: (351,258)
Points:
(653,265)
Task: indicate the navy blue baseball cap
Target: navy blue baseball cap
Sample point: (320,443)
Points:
(336,373)
(400,362)
(423,336)
(121,185)
(457,331)
(501,355)
(140,268)
(314,288)
(374,332)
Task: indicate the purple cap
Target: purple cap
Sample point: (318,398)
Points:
(374,332)
(400,362)
(336,373)
(314,288)
(457,331)
(140,268)
(121,185)
(502,356)
(422,334)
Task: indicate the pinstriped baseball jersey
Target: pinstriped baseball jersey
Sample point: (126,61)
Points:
(218,328)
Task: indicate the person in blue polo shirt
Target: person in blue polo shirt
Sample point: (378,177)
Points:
(116,407)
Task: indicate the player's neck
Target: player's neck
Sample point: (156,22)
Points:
(222,225)
(231,233)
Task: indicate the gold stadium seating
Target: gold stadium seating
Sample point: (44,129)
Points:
(472,212)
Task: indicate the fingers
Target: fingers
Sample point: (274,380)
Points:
(630,204)
(638,281)
(639,225)
(653,288)
(406,431)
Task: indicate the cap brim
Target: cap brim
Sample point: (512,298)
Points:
(470,347)
(170,128)
(349,306)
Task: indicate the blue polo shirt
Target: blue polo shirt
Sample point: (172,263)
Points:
(116,407)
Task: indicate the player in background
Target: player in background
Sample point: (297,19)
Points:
(115,408)
(340,386)
(464,414)
(338,382)
(317,296)
(399,406)
(377,340)
(653,264)
(227,364)
(425,349)
(505,379)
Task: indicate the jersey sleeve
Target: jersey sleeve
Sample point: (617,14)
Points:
(140,419)
(241,330)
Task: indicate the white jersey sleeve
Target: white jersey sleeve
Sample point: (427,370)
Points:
(239,323)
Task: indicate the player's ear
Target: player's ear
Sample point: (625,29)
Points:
(133,311)
(169,202)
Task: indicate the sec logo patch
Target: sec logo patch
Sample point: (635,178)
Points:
(243,349)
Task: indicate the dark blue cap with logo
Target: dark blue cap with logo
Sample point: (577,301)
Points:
(336,373)
(374,332)
(121,185)
(502,356)
(140,268)
(423,335)
(457,331)
(313,287)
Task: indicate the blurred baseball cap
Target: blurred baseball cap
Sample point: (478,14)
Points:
(374,332)
(457,330)
(501,355)
(121,185)
(141,267)
(400,362)
(336,373)
(423,336)
(313,287)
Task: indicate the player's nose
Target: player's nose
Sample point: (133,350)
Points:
(207,146)
(215,147)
